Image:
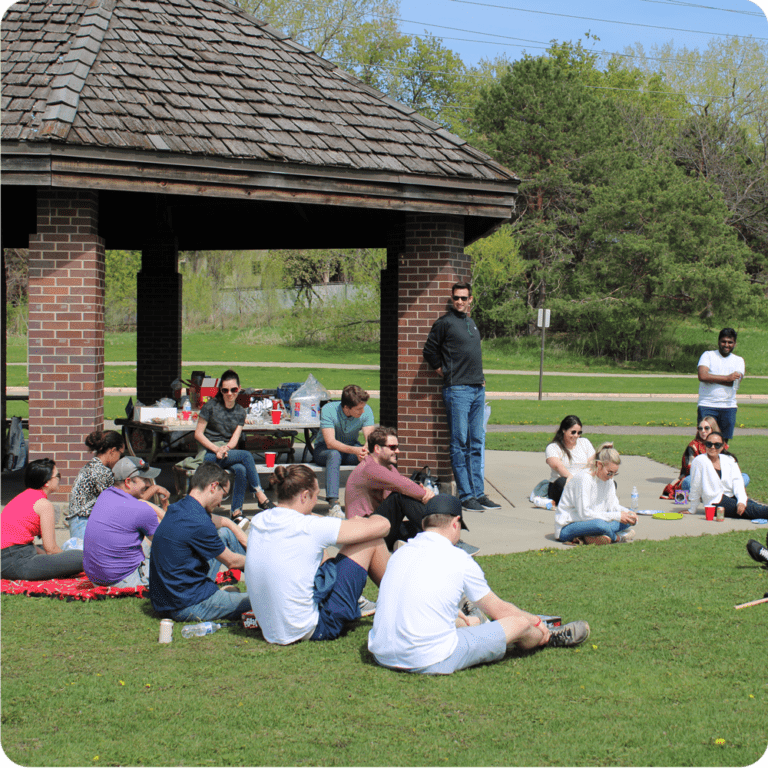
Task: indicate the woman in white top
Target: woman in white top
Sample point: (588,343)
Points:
(589,511)
(567,454)
(716,480)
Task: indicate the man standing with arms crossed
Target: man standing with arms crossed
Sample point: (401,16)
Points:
(720,373)
(453,351)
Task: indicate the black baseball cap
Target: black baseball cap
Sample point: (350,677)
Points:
(443,504)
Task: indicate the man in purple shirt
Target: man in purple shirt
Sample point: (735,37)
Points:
(113,554)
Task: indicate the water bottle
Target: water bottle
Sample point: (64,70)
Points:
(198,630)
(634,504)
(542,502)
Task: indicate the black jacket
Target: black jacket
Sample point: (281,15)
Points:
(453,344)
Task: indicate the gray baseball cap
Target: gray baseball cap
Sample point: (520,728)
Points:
(133,466)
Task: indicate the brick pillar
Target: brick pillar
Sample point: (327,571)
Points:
(158,336)
(388,347)
(432,260)
(66,329)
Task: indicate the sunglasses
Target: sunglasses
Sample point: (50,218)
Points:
(576,432)
(395,447)
(705,429)
(710,444)
(460,298)
(234,390)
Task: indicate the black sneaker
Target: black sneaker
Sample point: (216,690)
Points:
(757,552)
(574,633)
(472,505)
(468,548)
(487,503)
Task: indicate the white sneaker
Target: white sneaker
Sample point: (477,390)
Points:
(336,511)
(625,536)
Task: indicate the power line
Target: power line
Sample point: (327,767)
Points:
(681,4)
(606,21)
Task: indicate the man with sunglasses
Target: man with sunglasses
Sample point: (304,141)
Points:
(720,373)
(189,546)
(453,350)
(113,552)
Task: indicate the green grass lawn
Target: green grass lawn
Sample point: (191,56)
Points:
(672,675)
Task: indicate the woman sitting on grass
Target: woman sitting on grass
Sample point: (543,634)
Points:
(97,476)
(218,430)
(567,454)
(28,515)
(589,511)
(695,448)
(717,481)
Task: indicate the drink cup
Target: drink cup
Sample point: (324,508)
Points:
(270,458)
(710,513)
(276,416)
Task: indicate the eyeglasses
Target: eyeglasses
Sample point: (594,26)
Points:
(224,491)
(609,473)
(57,476)
(576,432)
(705,428)
(395,447)
(460,298)
(710,444)
(233,390)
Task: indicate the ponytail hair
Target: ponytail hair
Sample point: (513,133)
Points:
(291,480)
(605,454)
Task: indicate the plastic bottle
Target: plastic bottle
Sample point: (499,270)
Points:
(634,504)
(542,502)
(198,630)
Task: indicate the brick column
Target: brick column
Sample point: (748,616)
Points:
(158,336)
(432,260)
(66,329)
(389,347)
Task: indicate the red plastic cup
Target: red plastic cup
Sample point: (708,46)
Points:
(710,513)
(270,458)
(276,416)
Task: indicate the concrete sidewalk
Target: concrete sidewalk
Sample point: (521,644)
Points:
(519,526)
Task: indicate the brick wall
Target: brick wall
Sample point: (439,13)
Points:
(66,329)
(432,260)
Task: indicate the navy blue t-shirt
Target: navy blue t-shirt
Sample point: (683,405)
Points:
(184,542)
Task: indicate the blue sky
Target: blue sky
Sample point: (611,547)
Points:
(486,28)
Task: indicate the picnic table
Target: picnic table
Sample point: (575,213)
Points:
(150,440)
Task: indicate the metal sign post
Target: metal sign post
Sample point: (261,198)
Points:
(543,323)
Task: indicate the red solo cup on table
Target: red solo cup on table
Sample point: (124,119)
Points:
(710,513)
(276,414)
(270,458)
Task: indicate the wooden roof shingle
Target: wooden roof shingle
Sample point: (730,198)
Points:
(201,77)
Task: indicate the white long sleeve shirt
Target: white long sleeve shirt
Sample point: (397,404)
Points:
(586,497)
(709,488)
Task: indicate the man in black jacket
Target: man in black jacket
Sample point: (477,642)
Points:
(453,351)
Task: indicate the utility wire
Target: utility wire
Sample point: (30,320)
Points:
(681,4)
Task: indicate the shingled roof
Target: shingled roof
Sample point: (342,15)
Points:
(203,78)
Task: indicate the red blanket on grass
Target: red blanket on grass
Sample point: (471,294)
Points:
(82,588)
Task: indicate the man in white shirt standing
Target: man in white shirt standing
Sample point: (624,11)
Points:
(720,373)
(418,626)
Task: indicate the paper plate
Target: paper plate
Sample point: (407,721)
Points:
(667,516)
(647,511)
(760,521)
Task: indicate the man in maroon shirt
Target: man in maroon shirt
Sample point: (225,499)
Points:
(375,485)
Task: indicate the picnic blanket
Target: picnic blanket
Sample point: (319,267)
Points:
(82,588)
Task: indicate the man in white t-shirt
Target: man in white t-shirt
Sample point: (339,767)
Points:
(298,598)
(418,626)
(720,373)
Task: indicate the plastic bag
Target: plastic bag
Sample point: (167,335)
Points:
(305,401)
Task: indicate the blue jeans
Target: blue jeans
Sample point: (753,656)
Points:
(243,467)
(592,528)
(725,417)
(220,605)
(686,484)
(332,460)
(465,407)
(77,526)
(754,510)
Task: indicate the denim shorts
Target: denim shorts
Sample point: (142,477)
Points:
(477,645)
(341,605)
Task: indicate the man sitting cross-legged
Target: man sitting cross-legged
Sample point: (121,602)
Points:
(189,547)
(418,626)
(113,554)
(298,598)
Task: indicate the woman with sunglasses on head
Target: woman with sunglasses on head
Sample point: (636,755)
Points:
(589,511)
(28,515)
(695,448)
(716,480)
(567,454)
(218,430)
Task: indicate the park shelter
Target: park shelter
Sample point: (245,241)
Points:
(189,124)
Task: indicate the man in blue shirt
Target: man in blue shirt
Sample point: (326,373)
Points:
(189,546)
(340,427)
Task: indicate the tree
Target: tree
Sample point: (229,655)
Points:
(121,268)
